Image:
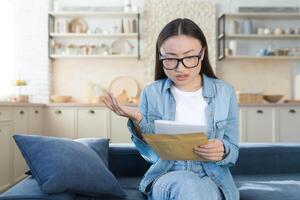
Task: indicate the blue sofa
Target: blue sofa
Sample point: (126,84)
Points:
(263,171)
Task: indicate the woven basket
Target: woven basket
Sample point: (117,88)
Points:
(249,98)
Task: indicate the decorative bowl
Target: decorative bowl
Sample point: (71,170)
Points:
(273,98)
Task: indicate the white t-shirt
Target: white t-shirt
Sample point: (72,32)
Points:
(190,106)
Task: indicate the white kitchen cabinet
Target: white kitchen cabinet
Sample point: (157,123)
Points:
(289,124)
(21,120)
(60,122)
(259,124)
(119,130)
(5,155)
(36,118)
(92,122)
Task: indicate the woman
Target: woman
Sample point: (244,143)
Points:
(186,90)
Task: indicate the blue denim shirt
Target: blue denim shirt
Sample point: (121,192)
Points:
(157,102)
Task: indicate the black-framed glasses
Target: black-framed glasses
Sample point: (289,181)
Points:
(188,62)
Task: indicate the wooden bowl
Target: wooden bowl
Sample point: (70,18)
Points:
(274,98)
(60,99)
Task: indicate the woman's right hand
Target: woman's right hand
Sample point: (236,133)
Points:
(112,103)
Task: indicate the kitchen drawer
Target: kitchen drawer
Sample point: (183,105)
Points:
(6,114)
(289,126)
(259,124)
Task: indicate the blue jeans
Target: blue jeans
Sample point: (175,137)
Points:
(186,180)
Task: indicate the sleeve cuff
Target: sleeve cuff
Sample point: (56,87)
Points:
(227,152)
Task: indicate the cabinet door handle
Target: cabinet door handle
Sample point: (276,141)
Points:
(91,111)
(36,112)
(58,112)
(21,112)
(292,111)
(260,111)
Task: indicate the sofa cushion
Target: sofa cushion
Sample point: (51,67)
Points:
(64,165)
(278,158)
(262,187)
(99,145)
(130,186)
(28,189)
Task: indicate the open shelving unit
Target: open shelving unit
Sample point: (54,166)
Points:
(52,16)
(223,36)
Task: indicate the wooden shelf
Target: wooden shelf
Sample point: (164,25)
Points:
(93,56)
(264,57)
(255,36)
(93,14)
(92,35)
(258,15)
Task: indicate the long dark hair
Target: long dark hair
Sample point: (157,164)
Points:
(182,27)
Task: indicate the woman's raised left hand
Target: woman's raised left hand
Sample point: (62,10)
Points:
(213,151)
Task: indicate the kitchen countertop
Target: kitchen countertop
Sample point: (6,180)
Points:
(20,104)
(83,104)
(268,104)
(75,104)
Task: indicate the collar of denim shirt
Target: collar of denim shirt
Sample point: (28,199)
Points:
(208,87)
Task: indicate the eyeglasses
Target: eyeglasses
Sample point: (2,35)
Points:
(188,62)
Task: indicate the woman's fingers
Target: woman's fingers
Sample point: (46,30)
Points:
(210,154)
(211,157)
(214,150)
(116,105)
(108,104)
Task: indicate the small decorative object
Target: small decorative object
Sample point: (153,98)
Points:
(61,26)
(71,49)
(122,26)
(20,98)
(123,97)
(278,31)
(103,49)
(233,46)
(260,31)
(248,26)
(134,26)
(297,30)
(121,46)
(127,25)
(60,99)
(56,47)
(234,27)
(228,52)
(97,93)
(78,25)
(126,89)
(267,31)
(289,31)
(270,50)
(274,98)
(263,52)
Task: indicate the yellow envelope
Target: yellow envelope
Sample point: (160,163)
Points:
(176,147)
